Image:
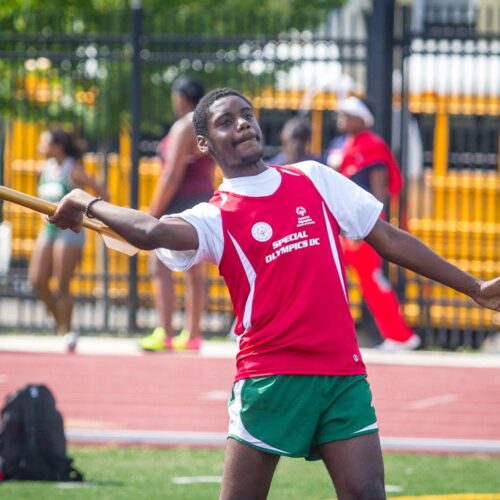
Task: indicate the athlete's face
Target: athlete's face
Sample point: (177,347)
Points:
(234,137)
(348,124)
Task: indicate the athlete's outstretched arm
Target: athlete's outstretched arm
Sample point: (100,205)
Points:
(138,228)
(407,251)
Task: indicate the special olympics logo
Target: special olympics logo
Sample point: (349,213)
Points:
(301,211)
(262,231)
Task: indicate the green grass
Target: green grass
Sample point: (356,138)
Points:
(146,473)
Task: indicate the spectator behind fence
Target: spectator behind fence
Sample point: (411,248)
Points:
(365,159)
(186,179)
(300,389)
(57,252)
(295,140)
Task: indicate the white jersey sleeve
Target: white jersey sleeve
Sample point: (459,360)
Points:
(355,209)
(206,219)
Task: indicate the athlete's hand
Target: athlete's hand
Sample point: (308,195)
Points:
(70,210)
(489,294)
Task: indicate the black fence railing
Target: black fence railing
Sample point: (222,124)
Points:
(110,77)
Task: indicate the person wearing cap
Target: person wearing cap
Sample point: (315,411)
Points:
(364,157)
(186,179)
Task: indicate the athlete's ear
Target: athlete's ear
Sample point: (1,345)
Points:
(202,144)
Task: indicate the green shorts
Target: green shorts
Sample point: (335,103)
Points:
(292,415)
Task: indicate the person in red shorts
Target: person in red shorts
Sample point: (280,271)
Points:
(300,388)
(365,159)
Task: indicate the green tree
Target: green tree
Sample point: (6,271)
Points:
(70,60)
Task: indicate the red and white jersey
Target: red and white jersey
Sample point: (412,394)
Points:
(280,256)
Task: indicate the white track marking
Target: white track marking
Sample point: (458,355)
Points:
(196,479)
(442,399)
(218,439)
(215,395)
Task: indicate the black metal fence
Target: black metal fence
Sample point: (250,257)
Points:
(449,123)
(111,76)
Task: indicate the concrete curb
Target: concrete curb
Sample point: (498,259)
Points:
(218,439)
(120,346)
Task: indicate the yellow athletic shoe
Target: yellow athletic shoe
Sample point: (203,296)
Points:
(184,342)
(157,341)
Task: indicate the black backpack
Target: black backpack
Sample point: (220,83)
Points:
(32,440)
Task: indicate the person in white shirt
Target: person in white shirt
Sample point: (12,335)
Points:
(300,388)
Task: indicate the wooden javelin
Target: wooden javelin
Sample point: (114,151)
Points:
(111,239)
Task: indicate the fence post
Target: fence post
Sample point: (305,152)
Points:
(135,106)
(379,92)
(379,71)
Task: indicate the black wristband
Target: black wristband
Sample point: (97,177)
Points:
(89,206)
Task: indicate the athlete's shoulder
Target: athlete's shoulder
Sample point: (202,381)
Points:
(322,177)
(327,180)
(206,208)
(314,169)
(216,200)
(204,211)
(182,129)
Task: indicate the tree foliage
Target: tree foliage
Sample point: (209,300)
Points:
(90,14)
(70,60)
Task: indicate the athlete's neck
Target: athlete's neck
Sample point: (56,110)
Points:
(245,171)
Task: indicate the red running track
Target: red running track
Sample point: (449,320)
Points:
(168,392)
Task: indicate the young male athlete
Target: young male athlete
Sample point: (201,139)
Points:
(300,388)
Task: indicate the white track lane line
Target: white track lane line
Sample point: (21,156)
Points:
(442,399)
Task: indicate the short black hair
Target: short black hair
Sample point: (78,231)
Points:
(191,88)
(200,115)
(70,143)
(296,128)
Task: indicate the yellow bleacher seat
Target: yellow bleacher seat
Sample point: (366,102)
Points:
(461,222)
(456,213)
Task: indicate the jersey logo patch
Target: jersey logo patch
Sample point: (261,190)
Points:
(262,231)
(303,218)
